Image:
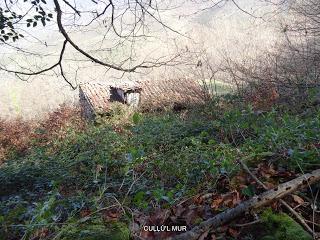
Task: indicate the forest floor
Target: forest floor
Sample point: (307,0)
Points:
(64,178)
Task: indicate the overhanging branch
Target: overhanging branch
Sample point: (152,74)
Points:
(43,70)
(86,54)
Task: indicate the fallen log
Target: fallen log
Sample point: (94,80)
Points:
(255,202)
(286,205)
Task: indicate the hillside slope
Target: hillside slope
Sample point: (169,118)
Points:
(109,179)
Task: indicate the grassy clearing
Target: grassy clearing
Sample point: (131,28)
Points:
(218,88)
(69,187)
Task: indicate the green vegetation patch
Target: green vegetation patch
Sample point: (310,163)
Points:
(282,227)
(151,160)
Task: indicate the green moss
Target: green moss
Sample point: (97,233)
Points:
(114,231)
(282,227)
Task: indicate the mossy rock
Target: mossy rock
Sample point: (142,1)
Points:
(283,227)
(113,231)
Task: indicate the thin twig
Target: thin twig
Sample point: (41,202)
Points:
(313,213)
(131,186)
(316,224)
(247,224)
(297,216)
(245,167)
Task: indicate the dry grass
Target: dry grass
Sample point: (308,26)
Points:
(60,120)
(14,136)
(18,136)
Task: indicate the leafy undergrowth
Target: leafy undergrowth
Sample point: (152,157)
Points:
(109,179)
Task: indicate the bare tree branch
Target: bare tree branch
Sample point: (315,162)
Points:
(43,70)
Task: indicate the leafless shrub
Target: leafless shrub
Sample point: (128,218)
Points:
(291,69)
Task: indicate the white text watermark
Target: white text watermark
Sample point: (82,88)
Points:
(164,228)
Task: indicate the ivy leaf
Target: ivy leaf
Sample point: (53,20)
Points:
(136,118)
(10,24)
(249,191)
